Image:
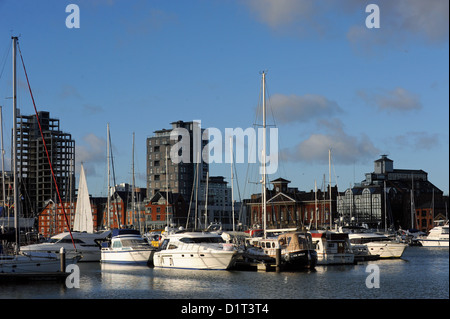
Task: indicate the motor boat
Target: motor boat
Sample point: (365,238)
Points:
(295,249)
(195,250)
(127,246)
(86,244)
(377,244)
(332,248)
(437,237)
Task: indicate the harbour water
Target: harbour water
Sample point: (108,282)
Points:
(422,273)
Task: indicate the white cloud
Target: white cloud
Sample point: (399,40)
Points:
(295,108)
(401,20)
(417,140)
(346,149)
(398,99)
(91,153)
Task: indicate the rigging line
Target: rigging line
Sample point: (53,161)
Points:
(5,59)
(46,150)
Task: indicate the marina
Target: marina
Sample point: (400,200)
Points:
(251,169)
(421,273)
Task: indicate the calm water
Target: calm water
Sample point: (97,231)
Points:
(422,273)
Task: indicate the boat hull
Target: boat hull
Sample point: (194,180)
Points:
(298,260)
(143,256)
(386,249)
(32,264)
(434,242)
(218,260)
(88,254)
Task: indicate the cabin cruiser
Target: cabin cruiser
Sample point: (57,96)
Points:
(377,244)
(127,246)
(86,244)
(296,250)
(437,237)
(332,248)
(195,250)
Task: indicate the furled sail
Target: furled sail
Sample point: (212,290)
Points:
(83,214)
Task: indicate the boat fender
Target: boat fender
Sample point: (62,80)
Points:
(286,257)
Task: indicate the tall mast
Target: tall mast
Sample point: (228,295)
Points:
(329,175)
(206,200)
(232,182)
(264,155)
(316,213)
(3,161)
(167,191)
(14,157)
(133,201)
(108,202)
(385,208)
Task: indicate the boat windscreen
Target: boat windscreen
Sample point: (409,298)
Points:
(198,240)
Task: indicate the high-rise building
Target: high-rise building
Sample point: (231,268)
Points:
(181,175)
(36,183)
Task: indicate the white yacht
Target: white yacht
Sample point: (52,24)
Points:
(86,244)
(438,235)
(195,250)
(377,244)
(332,248)
(127,247)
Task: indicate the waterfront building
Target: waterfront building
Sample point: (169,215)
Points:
(390,197)
(179,177)
(51,220)
(36,181)
(288,207)
(165,208)
(219,206)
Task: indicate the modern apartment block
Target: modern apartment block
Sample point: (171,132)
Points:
(164,173)
(35,177)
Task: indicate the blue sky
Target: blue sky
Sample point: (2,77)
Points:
(332,82)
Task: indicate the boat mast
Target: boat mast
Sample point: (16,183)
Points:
(3,163)
(316,213)
(133,201)
(232,182)
(167,192)
(14,146)
(329,186)
(385,208)
(108,202)
(206,200)
(264,155)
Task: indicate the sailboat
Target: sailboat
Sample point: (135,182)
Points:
(85,241)
(293,249)
(31,264)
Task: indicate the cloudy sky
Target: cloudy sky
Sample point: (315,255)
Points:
(333,83)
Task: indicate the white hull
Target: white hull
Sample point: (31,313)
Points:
(214,260)
(438,237)
(86,244)
(87,253)
(126,256)
(434,242)
(32,264)
(386,249)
